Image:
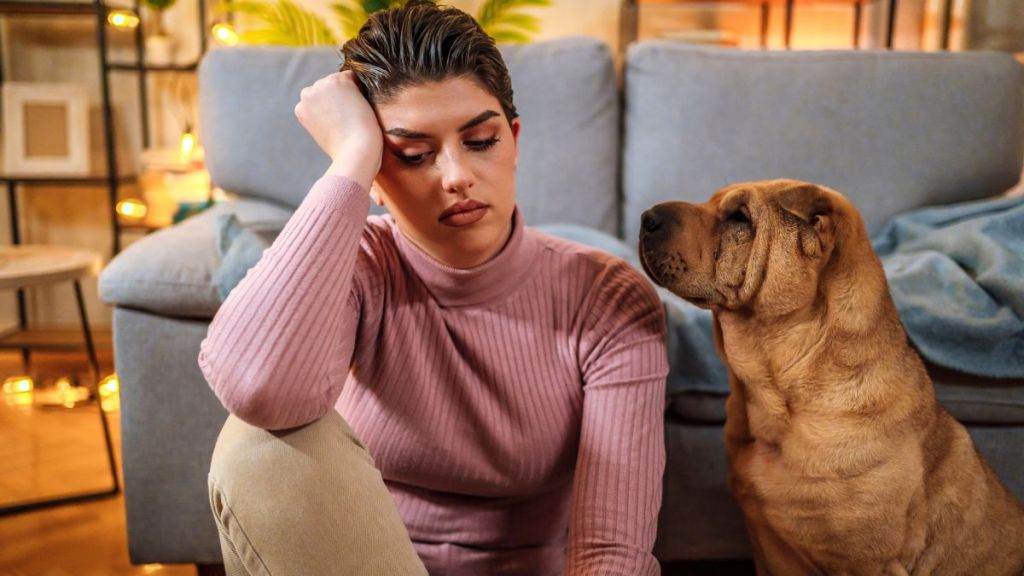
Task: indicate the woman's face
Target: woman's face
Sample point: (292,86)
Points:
(448,172)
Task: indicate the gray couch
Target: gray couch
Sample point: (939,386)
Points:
(894,131)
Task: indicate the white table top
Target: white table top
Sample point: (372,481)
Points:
(36,264)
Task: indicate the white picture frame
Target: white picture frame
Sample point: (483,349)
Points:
(46,129)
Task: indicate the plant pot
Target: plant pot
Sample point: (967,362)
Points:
(159,50)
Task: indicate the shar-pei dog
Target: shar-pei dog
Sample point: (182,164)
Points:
(840,457)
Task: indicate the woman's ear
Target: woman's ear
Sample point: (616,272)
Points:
(516,125)
(375,194)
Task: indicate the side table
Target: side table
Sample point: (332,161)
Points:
(27,265)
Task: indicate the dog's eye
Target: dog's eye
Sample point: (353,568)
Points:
(740,215)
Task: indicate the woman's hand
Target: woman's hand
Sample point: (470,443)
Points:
(343,123)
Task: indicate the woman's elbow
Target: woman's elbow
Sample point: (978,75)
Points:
(258,400)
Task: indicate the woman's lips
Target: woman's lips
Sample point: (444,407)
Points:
(464,213)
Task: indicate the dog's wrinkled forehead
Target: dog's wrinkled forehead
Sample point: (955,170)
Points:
(753,197)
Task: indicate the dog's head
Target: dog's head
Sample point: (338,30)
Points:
(761,246)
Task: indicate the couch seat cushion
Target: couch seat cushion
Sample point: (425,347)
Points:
(170,272)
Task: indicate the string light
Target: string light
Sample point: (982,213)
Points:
(18,384)
(69,394)
(132,209)
(225,34)
(123,19)
(109,398)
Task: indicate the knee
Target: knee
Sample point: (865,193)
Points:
(241,449)
(255,458)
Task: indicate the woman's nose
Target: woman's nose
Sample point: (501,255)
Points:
(455,174)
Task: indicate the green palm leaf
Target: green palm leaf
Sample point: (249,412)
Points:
(503,20)
(283,23)
(352,16)
(353,13)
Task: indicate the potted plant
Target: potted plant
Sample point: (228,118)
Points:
(159,44)
(284,22)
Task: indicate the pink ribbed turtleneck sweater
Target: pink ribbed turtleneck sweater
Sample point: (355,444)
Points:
(514,409)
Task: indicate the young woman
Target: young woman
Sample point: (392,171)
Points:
(441,390)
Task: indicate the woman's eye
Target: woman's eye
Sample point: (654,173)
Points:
(414,160)
(481,145)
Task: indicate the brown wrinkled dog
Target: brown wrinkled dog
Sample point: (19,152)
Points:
(840,457)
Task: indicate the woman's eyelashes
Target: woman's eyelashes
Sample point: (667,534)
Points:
(474,145)
(481,145)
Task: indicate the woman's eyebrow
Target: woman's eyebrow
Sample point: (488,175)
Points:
(479,118)
(414,135)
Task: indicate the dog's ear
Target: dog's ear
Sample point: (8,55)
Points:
(811,205)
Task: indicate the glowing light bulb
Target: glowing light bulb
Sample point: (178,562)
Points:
(109,398)
(18,385)
(123,19)
(131,209)
(188,143)
(225,34)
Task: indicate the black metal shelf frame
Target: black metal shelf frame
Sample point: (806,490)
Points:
(99,10)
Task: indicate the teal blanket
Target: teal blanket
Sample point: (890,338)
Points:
(956,274)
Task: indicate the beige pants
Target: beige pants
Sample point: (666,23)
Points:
(304,502)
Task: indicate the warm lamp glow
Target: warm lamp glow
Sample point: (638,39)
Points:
(69,394)
(18,384)
(123,19)
(188,143)
(225,34)
(132,209)
(18,391)
(109,398)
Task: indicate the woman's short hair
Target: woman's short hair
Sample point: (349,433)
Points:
(422,42)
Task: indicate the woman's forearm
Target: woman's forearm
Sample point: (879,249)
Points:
(279,348)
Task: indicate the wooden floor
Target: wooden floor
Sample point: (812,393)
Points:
(47,452)
(56,451)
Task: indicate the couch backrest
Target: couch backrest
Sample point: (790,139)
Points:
(891,130)
(565,92)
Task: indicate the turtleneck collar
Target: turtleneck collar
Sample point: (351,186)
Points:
(489,282)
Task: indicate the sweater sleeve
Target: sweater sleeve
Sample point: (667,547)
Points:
(618,482)
(278,350)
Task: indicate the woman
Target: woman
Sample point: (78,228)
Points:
(508,385)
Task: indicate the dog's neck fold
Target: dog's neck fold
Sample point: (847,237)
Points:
(821,352)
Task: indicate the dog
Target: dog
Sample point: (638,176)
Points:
(840,457)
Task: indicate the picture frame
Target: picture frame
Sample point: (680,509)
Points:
(45,129)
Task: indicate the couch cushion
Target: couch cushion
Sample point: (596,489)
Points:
(970,399)
(891,130)
(565,92)
(170,272)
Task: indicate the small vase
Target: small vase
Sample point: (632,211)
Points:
(159,50)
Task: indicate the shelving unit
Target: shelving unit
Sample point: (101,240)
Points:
(27,339)
(631,13)
(98,9)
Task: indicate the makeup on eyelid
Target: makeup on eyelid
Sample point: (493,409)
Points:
(472,145)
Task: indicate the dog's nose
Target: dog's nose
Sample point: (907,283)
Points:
(651,221)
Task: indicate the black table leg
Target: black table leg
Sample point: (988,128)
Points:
(95,367)
(95,370)
(764,25)
(947,23)
(857,13)
(12,210)
(789,24)
(891,28)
